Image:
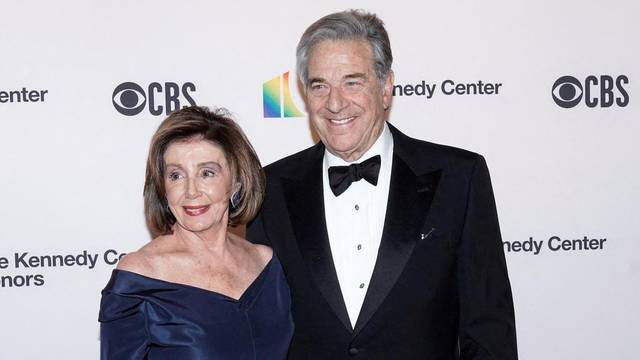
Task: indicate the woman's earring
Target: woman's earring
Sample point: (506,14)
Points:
(235,199)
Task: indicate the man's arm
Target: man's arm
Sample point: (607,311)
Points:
(487,324)
(255,231)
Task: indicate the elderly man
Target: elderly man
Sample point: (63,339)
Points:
(391,245)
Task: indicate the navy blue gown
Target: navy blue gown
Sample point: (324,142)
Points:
(146,318)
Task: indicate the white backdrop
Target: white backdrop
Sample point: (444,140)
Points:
(73,165)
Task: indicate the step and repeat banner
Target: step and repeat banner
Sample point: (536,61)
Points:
(547,91)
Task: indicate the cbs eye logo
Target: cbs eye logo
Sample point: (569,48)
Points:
(567,91)
(131,99)
(604,91)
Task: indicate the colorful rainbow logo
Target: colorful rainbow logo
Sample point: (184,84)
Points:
(276,98)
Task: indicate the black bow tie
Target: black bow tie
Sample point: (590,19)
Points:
(341,177)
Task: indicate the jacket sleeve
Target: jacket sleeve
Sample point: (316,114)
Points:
(123,330)
(256,233)
(487,324)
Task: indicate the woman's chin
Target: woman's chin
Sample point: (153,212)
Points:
(200,226)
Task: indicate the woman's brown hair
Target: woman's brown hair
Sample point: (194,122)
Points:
(217,127)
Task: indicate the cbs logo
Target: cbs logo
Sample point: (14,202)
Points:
(604,91)
(131,99)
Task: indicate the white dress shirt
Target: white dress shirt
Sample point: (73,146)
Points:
(355,221)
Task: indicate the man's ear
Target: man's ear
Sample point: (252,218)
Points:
(387,90)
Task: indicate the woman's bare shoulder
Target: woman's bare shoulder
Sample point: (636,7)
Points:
(147,260)
(266,253)
(263,252)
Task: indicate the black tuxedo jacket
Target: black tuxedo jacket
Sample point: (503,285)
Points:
(439,289)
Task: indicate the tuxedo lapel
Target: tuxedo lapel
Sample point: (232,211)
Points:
(409,200)
(305,201)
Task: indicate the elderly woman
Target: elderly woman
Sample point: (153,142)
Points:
(197,291)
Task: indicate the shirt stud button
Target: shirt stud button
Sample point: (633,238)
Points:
(362,286)
(359,247)
(357,207)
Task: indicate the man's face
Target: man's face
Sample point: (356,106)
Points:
(345,97)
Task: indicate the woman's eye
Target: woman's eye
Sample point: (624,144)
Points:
(175,176)
(208,173)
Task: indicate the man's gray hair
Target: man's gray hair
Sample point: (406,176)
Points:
(346,25)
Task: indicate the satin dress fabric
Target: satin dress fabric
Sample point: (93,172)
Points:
(147,318)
